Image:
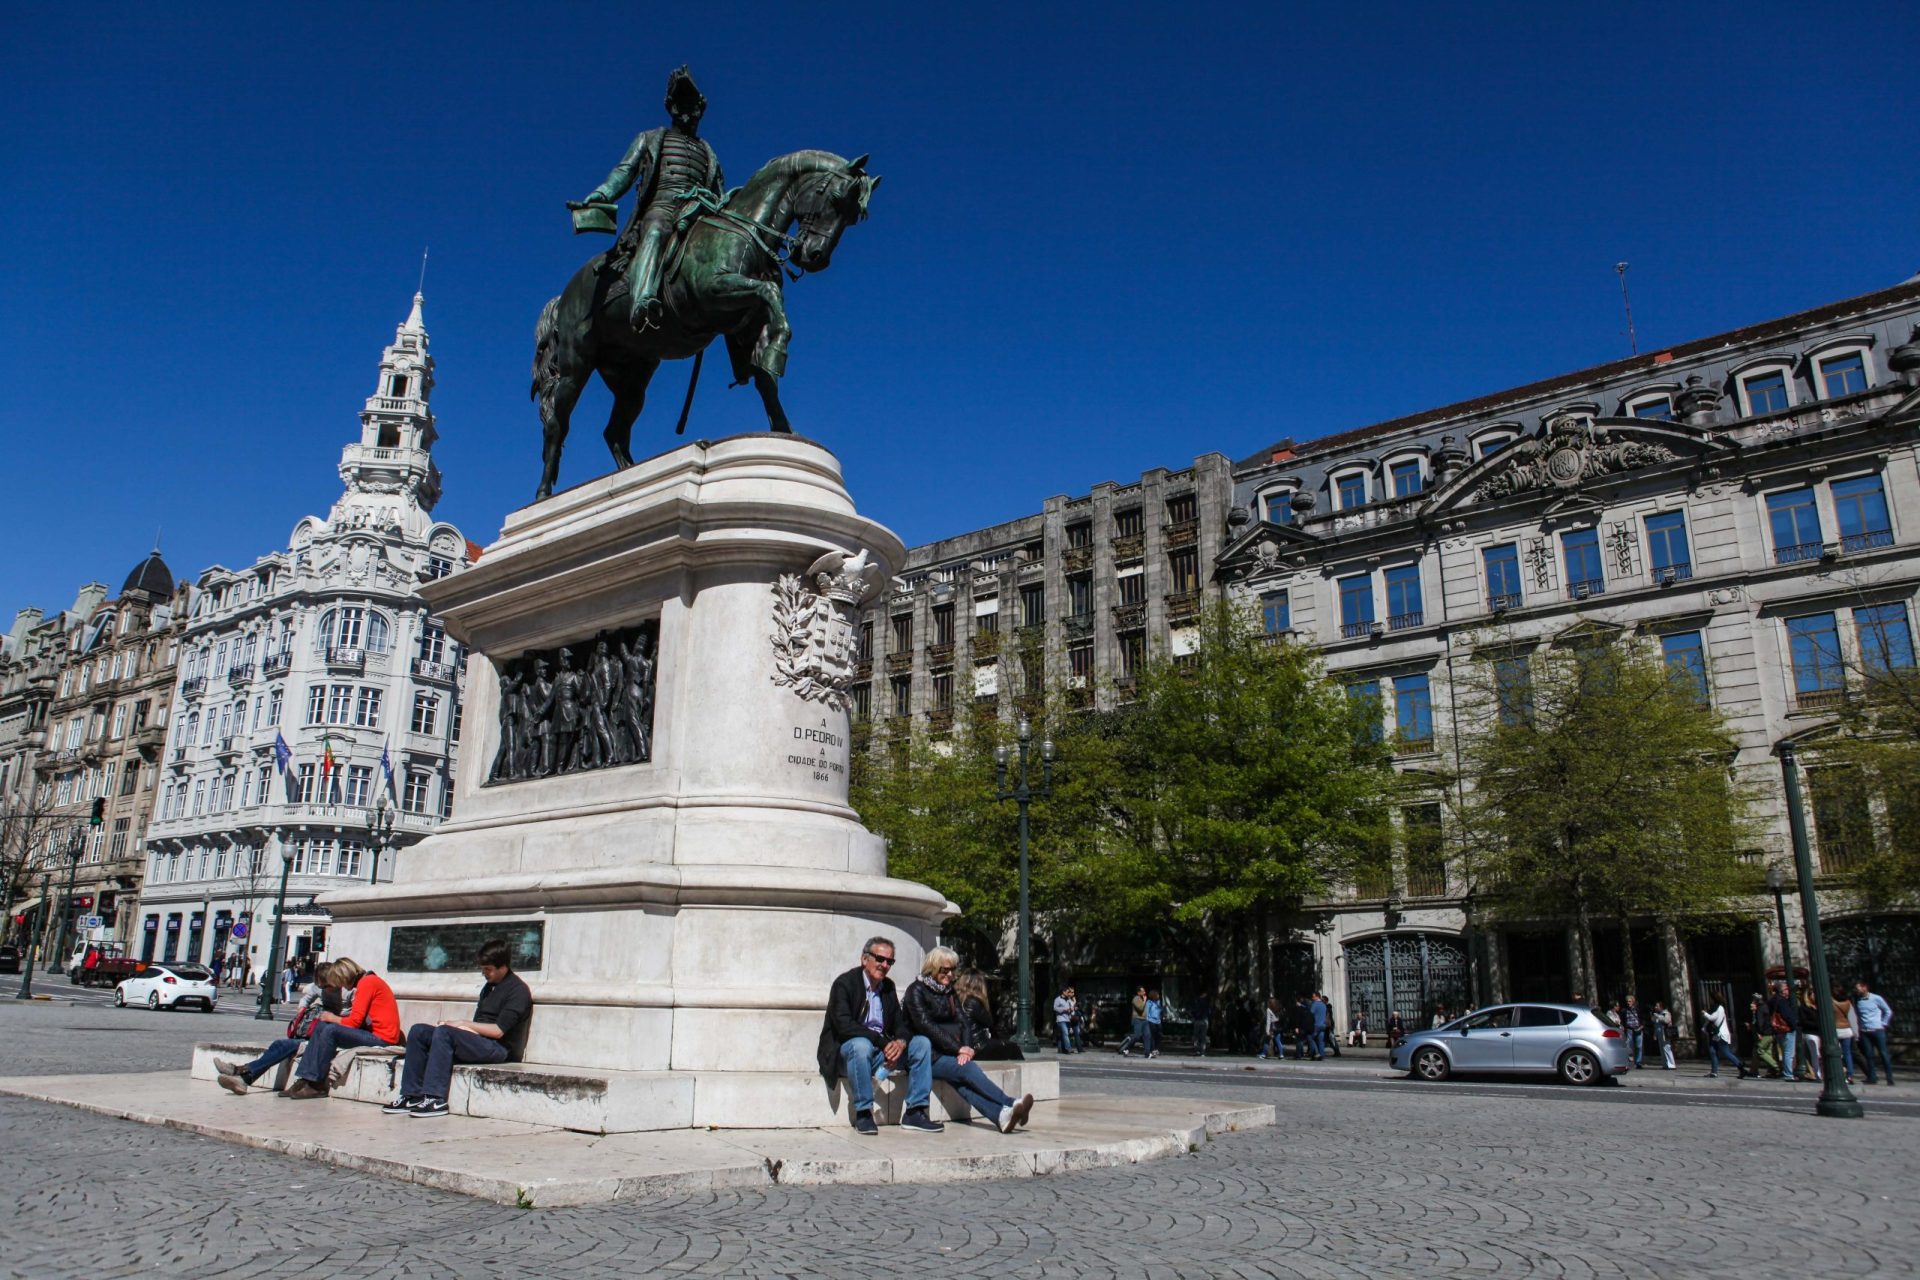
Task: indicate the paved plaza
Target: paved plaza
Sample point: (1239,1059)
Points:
(1362,1176)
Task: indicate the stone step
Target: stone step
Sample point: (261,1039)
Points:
(595,1101)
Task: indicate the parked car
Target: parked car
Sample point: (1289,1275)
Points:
(9,959)
(1579,1045)
(164,986)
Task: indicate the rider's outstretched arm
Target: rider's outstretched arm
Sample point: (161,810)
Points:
(632,168)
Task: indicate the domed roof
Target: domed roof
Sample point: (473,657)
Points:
(151,576)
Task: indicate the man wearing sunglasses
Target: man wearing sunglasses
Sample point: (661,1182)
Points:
(864,1034)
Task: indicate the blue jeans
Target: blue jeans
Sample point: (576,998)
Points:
(431,1053)
(277,1052)
(1846,1054)
(328,1039)
(1137,1034)
(971,1083)
(1719,1051)
(1789,1040)
(1153,1037)
(1873,1042)
(1063,1034)
(1635,1041)
(1200,1036)
(859,1059)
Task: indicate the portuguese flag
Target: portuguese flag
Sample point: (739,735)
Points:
(327,763)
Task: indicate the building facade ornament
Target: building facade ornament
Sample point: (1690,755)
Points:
(1572,451)
(813,625)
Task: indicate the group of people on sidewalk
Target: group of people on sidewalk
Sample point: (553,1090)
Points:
(1786,1034)
(871,1034)
(1310,1024)
(353,1008)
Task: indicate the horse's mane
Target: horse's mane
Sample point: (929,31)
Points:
(808,161)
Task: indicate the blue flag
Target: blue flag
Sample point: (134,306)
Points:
(282,753)
(386,765)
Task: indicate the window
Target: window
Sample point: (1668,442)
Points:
(1488,445)
(1581,548)
(1356,605)
(1795,522)
(1033,605)
(274,700)
(438,567)
(863,651)
(1278,507)
(1080,534)
(1658,407)
(1080,596)
(1181,509)
(1766,392)
(433,643)
(902,633)
(414,797)
(1503,576)
(1406,478)
(339,703)
(303,784)
(1844,374)
(350,852)
(1813,645)
(426,712)
(1128,523)
(1886,642)
(1513,691)
(943,691)
(1276,614)
(120,720)
(1860,509)
(1842,817)
(117,847)
(1426,862)
(199,797)
(1686,662)
(1404,605)
(130,779)
(316,705)
(348,628)
(943,624)
(862,695)
(1413,712)
(1133,587)
(1080,662)
(397,385)
(902,695)
(1363,697)
(360,785)
(1183,569)
(1667,546)
(1350,490)
(1133,654)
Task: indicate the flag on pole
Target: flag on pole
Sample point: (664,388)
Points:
(386,766)
(327,763)
(282,753)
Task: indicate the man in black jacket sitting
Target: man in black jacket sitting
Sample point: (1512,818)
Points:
(864,1038)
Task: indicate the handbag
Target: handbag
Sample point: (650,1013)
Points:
(1779,1025)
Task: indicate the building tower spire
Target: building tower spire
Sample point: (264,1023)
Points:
(394,455)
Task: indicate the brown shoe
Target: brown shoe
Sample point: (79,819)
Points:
(1021,1110)
(300,1090)
(227,1067)
(233,1082)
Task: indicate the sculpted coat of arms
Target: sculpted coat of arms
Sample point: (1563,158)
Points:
(813,625)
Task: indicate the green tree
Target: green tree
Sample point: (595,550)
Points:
(1873,753)
(1597,786)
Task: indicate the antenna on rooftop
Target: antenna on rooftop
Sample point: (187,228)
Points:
(423,271)
(1633,342)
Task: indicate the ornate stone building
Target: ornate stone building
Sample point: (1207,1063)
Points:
(1744,501)
(105,727)
(328,646)
(31,654)
(1075,597)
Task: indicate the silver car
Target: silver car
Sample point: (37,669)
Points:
(1579,1045)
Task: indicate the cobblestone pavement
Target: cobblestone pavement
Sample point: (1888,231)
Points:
(1381,1180)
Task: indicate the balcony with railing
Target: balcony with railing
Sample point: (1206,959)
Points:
(443,672)
(899,726)
(228,747)
(1182,606)
(1865,541)
(1032,571)
(275,664)
(940,720)
(149,736)
(986,644)
(1129,546)
(1405,621)
(1129,617)
(863,669)
(238,675)
(988,704)
(1501,601)
(1126,688)
(347,658)
(940,655)
(899,662)
(1357,630)
(193,686)
(1403,746)
(1077,559)
(1183,533)
(1585,588)
(1819,699)
(1668,574)
(1078,625)
(179,758)
(1034,634)
(1796,552)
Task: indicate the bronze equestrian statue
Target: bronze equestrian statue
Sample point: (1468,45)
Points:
(692,265)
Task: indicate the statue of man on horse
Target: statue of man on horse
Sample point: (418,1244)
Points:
(692,265)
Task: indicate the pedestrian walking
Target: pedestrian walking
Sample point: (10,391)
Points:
(1063,1020)
(1156,1016)
(1718,1033)
(1783,1021)
(1631,1023)
(1202,1021)
(1137,1029)
(1875,1016)
(1760,1024)
(1303,1038)
(1270,1029)
(1663,1033)
(289,978)
(1844,1027)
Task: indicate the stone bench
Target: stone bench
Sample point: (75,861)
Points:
(595,1101)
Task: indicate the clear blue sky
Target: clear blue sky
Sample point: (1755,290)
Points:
(1110,237)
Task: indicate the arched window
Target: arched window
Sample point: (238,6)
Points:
(379,632)
(1764,386)
(323,633)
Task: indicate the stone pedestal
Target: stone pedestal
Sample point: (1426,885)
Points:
(692,910)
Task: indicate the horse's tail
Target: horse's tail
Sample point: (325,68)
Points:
(545,335)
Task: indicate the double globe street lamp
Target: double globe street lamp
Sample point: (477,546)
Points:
(1022,793)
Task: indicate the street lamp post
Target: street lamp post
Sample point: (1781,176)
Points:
(1022,793)
(65,923)
(1777,882)
(379,836)
(272,974)
(1836,1099)
(33,940)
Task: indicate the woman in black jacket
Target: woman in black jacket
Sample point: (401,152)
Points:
(932,1009)
(987,1047)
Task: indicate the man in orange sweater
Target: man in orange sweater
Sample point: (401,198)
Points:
(373,1018)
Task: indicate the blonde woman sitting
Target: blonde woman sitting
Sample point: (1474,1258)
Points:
(933,1010)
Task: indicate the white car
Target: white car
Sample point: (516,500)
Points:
(164,986)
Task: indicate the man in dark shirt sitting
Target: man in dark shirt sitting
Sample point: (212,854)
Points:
(498,1033)
(864,1036)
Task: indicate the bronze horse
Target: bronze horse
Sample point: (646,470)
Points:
(724,282)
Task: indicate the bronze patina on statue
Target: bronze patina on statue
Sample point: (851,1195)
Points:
(694,263)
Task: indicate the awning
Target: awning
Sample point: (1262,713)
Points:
(21,908)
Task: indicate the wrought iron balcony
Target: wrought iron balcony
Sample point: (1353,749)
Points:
(940,655)
(444,672)
(275,664)
(1501,601)
(986,644)
(1867,541)
(1586,587)
(1078,624)
(1357,630)
(1126,688)
(987,703)
(1130,617)
(1403,621)
(347,658)
(940,720)
(1794,553)
(1818,699)
(898,662)
(1667,575)
(239,675)
(863,669)
(1182,605)
(193,686)
(1129,546)
(1183,533)
(1077,559)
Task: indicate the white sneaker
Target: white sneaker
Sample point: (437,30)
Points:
(1004,1122)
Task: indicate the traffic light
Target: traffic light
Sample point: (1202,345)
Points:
(99,814)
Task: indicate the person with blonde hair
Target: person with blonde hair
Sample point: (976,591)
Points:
(987,1047)
(372,1019)
(237,1077)
(933,1010)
